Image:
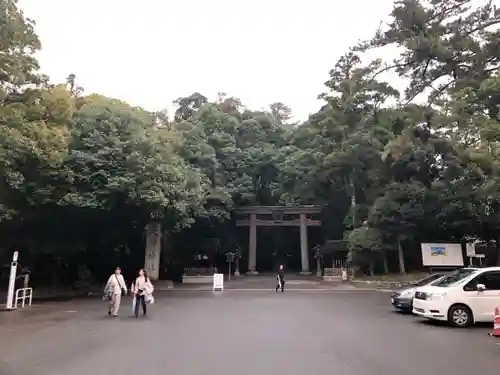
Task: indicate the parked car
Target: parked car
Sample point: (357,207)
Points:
(402,299)
(466,296)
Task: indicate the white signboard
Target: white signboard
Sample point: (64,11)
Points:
(218,281)
(442,254)
(471,249)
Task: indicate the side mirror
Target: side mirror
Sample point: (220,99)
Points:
(481,287)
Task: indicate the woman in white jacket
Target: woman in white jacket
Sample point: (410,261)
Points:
(142,290)
(115,288)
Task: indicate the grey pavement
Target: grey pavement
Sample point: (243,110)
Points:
(234,332)
(268,283)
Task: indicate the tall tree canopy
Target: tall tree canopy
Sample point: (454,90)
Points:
(82,175)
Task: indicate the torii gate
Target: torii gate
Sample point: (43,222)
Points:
(255,219)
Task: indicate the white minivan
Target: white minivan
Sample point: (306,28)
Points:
(462,298)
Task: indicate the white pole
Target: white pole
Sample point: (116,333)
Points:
(12,280)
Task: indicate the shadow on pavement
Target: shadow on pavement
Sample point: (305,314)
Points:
(445,325)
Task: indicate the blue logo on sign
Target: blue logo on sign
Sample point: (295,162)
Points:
(435,250)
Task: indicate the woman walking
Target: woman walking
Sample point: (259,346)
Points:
(142,290)
(280,279)
(114,290)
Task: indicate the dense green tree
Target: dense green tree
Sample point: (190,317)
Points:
(18,66)
(82,176)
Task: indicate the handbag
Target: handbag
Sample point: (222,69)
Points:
(108,293)
(149,299)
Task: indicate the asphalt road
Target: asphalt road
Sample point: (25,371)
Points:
(241,332)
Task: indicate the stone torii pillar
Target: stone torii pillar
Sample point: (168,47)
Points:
(304,253)
(252,246)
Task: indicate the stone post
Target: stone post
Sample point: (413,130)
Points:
(252,246)
(318,267)
(303,245)
(153,250)
(237,266)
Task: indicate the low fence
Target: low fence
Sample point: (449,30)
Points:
(22,295)
(336,270)
(200,271)
(339,265)
(198,275)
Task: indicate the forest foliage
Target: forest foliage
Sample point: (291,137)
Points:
(82,175)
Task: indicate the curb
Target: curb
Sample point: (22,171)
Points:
(289,290)
(386,285)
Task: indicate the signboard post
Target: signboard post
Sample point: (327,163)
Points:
(218,282)
(480,257)
(12,280)
(229,260)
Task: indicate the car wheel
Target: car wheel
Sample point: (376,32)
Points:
(460,316)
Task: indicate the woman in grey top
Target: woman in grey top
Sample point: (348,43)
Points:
(142,290)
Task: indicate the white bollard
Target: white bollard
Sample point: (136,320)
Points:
(12,280)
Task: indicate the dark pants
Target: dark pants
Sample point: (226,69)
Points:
(140,299)
(280,280)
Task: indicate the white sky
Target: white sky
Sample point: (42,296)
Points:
(150,52)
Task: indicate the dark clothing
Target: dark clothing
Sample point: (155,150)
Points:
(280,280)
(140,299)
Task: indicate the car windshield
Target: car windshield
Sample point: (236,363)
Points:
(455,277)
(428,280)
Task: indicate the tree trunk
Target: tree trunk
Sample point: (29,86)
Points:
(384,259)
(372,268)
(497,251)
(353,203)
(166,252)
(402,268)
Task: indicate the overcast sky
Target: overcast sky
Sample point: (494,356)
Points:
(150,52)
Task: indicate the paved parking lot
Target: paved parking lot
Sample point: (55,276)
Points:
(241,332)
